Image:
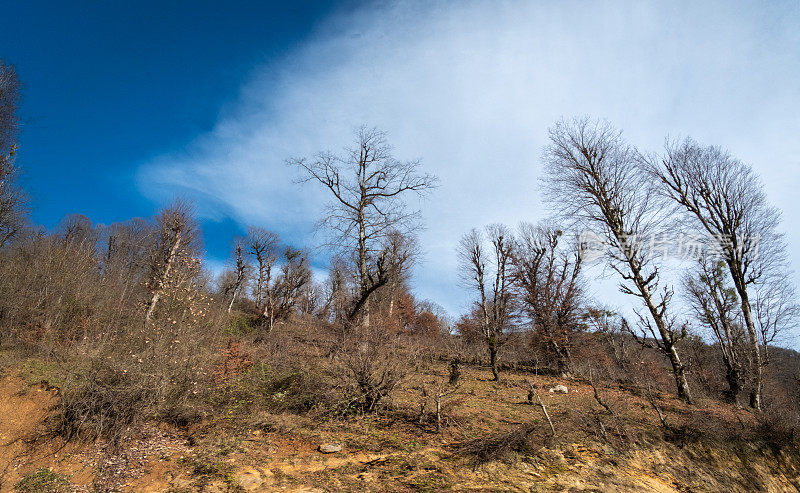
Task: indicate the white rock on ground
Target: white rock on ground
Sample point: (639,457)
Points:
(330,448)
(559,389)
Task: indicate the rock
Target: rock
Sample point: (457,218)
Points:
(251,479)
(330,448)
(559,389)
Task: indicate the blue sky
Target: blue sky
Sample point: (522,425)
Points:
(126,106)
(109,85)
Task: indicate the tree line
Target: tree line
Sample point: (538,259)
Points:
(738,287)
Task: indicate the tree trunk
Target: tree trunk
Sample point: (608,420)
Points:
(667,339)
(259,284)
(758,364)
(733,374)
(362,267)
(391,299)
(233,298)
(563,357)
(734,378)
(455,372)
(269,313)
(438,413)
(173,252)
(680,376)
(493,358)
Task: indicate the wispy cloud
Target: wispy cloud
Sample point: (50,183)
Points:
(471,87)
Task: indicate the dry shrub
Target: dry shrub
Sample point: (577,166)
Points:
(372,363)
(57,293)
(289,388)
(119,380)
(363,368)
(438,400)
(80,295)
(780,420)
(501,446)
(588,353)
(105,402)
(117,392)
(279,372)
(537,351)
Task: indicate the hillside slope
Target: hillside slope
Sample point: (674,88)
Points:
(492,439)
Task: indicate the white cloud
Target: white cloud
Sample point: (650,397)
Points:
(471,87)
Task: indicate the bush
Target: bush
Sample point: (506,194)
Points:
(500,446)
(106,404)
(364,369)
(780,420)
(372,364)
(152,374)
(294,389)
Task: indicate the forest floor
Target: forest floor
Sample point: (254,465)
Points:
(491,439)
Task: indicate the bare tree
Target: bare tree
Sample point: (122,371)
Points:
(725,199)
(311,299)
(548,278)
(592,177)
(240,270)
(12,200)
(490,274)
(177,240)
(78,231)
(283,295)
(264,248)
(125,260)
(389,265)
(715,305)
(776,309)
(126,246)
(406,251)
(368,186)
(389,279)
